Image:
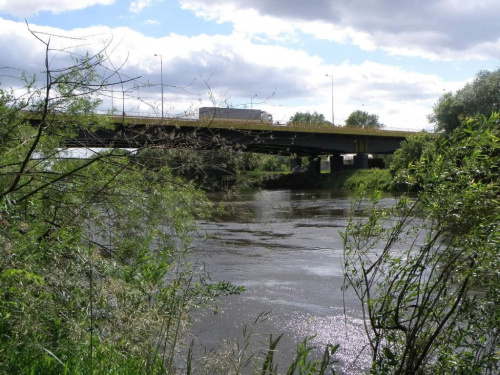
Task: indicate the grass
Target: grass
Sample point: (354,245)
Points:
(373,179)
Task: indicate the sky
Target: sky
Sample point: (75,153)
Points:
(389,58)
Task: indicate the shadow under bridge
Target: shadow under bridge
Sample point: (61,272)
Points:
(294,140)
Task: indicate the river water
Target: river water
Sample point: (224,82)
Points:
(284,247)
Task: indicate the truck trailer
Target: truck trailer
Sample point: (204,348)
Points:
(235,114)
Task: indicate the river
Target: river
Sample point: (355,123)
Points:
(284,247)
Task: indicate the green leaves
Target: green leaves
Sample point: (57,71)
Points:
(417,279)
(478,98)
(304,365)
(306,118)
(94,272)
(20,277)
(363,119)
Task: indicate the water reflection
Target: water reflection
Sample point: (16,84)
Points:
(285,248)
(284,205)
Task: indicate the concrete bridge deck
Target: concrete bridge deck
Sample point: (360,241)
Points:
(296,139)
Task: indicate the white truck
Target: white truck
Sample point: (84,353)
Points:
(235,114)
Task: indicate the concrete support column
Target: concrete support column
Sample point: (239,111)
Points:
(295,164)
(336,163)
(361,161)
(314,165)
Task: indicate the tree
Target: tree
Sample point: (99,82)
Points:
(95,273)
(307,118)
(411,151)
(417,267)
(363,119)
(94,276)
(480,97)
(447,113)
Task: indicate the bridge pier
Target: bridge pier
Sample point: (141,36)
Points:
(295,164)
(336,163)
(314,166)
(361,161)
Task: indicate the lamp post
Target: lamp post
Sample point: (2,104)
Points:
(161,75)
(251,100)
(333,117)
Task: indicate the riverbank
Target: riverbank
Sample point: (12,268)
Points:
(344,180)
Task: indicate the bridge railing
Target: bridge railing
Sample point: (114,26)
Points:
(189,117)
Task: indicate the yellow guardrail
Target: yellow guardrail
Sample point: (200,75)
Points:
(253,125)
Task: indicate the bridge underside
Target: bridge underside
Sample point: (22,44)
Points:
(278,142)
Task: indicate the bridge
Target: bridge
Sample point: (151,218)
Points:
(295,140)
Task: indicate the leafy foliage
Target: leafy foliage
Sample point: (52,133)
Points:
(371,179)
(208,169)
(94,274)
(363,119)
(447,112)
(309,119)
(411,151)
(480,97)
(426,271)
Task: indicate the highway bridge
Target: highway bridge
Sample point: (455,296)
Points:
(296,139)
(293,140)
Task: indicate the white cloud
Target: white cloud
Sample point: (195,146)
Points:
(139,5)
(24,8)
(238,69)
(436,30)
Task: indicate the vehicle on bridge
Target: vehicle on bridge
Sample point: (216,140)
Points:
(235,114)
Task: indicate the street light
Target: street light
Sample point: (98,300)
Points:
(333,117)
(161,75)
(251,99)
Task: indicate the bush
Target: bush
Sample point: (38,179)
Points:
(417,267)
(411,151)
(94,276)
